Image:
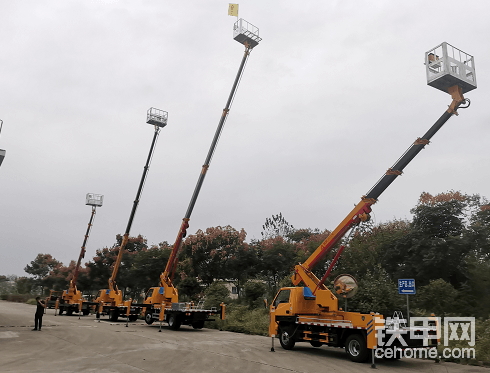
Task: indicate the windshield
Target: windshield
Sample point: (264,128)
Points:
(149,293)
(282,297)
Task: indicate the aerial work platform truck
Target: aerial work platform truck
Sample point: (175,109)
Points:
(162,302)
(71,300)
(110,301)
(310,313)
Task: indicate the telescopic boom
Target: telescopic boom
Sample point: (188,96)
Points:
(361,212)
(112,279)
(247,34)
(73,282)
(167,276)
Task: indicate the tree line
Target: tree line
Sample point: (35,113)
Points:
(445,247)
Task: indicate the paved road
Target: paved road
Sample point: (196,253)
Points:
(69,344)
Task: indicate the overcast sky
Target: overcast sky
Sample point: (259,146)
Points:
(329,100)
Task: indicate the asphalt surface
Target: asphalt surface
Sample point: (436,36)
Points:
(70,344)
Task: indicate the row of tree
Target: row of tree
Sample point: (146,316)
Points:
(445,248)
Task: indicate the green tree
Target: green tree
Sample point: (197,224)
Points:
(476,289)
(436,244)
(101,266)
(212,254)
(189,289)
(24,285)
(60,276)
(442,215)
(243,265)
(277,258)
(479,232)
(254,292)
(475,292)
(367,248)
(438,297)
(306,241)
(40,268)
(216,294)
(377,293)
(7,285)
(147,265)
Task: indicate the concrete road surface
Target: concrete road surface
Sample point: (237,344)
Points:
(67,344)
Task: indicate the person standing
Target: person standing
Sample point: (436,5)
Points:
(38,317)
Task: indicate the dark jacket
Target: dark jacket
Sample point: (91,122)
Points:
(40,307)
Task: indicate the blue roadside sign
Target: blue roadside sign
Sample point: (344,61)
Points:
(406,286)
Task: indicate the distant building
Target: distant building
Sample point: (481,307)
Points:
(233,289)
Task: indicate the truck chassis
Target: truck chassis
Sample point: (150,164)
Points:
(320,331)
(114,312)
(70,308)
(181,313)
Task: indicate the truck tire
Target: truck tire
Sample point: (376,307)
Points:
(113,315)
(133,317)
(316,343)
(69,311)
(148,318)
(60,310)
(174,322)
(355,347)
(198,324)
(85,312)
(286,337)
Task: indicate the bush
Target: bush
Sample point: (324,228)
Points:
(19,298)
(438,297)
(216,294)
(31,301)
(482,345)
(254,294)
(377,293)
(189,288)
(240,319)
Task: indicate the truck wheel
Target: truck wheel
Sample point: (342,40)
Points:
(198,324)
(69,312)
(60,311)
(286,338)
(148,318)
(133,317)
(113,315)
(85,312)
(316,343)
(173,322)
(356,348)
